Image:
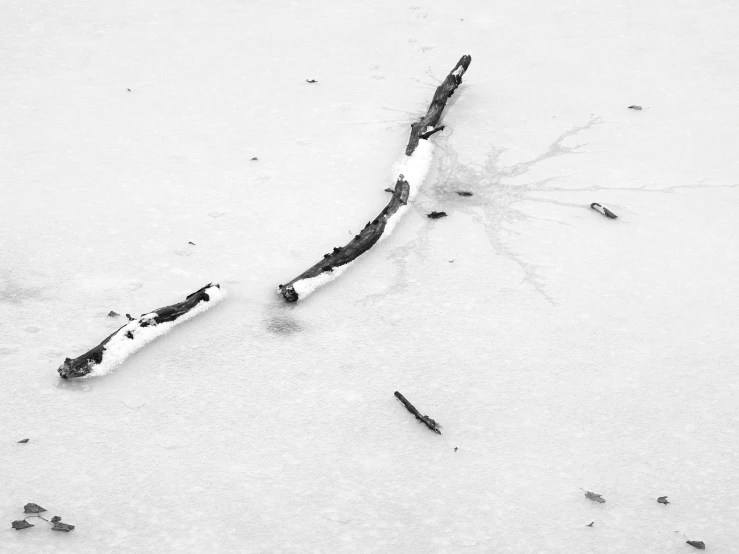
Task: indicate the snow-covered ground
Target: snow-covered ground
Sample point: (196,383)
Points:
(559,349)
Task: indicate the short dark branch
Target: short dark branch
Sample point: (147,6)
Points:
(427,134)
(84,364)
(430,423)
(441,96)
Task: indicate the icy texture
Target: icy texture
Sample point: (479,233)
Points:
(560,349)
(120,347)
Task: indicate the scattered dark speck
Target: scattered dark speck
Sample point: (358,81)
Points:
(436,215)
(191,243)
(311,81)
(590,524)
(128,89)
(24,441)
(129,317)
(389,190)
(638,108)
(129,334)
(254,159)
(464,193)
(111,313)
(455,448)
(662,500)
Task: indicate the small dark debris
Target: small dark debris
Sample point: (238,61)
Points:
(590,524)
(436,215)
(191,243)
(327,255)
(59,526)
(634,107)
(21,524)
(254,159)
(700,545)
(662,500)
(128,89)
(56,519)
(311,81)
(32,508)
(129,335)
(326,268)
(111,313)
(24,441)
(464,193)
(455,448)
(129,317)
(389,190)
(336,249)
(451,261)
(602,209)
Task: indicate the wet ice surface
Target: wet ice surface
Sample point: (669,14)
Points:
(558,349)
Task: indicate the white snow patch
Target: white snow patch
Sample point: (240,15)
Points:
(121,347)
(414,169)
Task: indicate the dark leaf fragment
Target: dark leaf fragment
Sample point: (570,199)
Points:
(635,107)
(700,545)
(464,193)
(254,159)
(436,215)
(56,519)
(111,313)
(32,508)
(594,497)
(21,524)
(590,524)
(24,441)
(662,500)
(59,526)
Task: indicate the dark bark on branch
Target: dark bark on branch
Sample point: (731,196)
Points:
(602,209)
(373,230)
(430,423)
(362,242)
(442,94)
(84,364)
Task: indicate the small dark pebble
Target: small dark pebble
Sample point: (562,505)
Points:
(111,313)
(389,190)
(311,81)
(635,108)
(464,193)
(700,545)
(254,159)
(24,441)
(436,215)
(129,317)
(191,243)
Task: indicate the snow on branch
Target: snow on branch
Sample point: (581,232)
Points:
(139,332)
(410,172)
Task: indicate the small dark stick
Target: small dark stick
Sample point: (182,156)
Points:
(464,193)
(602,209)
(427,134)
(311,81)
(24,441)
(430,423)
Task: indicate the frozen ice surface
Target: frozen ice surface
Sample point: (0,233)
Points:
(558,348)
